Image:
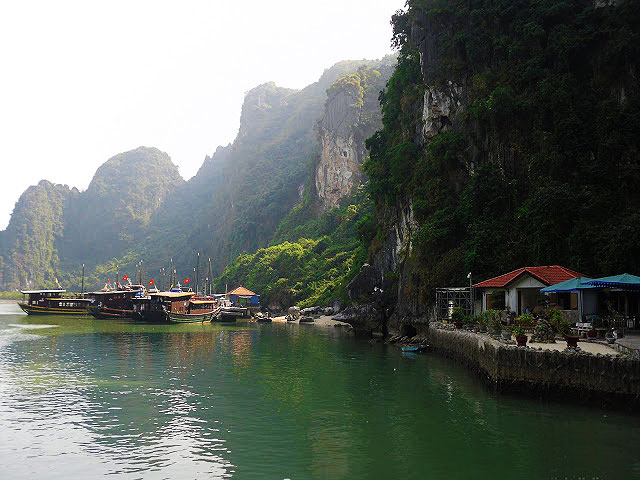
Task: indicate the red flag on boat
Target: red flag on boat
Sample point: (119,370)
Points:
(108,280)
(186,280)
(124,279)
(151,283)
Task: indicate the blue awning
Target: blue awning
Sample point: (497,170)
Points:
(624,280)
(571,285)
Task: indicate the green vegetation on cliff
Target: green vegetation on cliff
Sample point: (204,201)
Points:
(309,269)
(29,246)
(539,163)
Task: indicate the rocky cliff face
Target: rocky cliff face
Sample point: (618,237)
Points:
(341,152)
(54,229)
(493,156)
(387,281)
(352,114)
(29,247)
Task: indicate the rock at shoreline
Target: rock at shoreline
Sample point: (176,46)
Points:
(366,318)
(337,305)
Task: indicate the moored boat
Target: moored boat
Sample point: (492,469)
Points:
(114,303)
(415,348)
(160,304)
(51,302)
(199,310)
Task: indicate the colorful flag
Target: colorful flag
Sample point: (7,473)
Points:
(186,280)
(151,283)
(124,279)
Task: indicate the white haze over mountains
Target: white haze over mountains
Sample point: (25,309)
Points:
(82,81)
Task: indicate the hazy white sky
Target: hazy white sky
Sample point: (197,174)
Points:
(81,81)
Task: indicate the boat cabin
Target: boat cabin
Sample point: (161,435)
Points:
(176,302)
(201,305)
(40,297)
(52,302)
(120,299)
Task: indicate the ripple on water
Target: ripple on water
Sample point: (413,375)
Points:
(28,326)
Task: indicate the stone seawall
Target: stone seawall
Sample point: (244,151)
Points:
(605,379)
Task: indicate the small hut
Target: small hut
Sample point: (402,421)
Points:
(243,297)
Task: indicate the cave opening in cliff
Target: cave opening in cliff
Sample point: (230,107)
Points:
(408,330)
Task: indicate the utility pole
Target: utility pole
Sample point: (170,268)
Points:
(82,290)
(197,272)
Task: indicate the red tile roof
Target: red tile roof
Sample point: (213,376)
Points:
(241,291)
(549,275)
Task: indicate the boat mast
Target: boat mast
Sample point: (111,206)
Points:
(197,271)
(210,275)
(82,289)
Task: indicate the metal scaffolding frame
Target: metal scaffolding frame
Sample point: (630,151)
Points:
(449,298)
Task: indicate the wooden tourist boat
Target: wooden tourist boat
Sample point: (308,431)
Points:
(51,302)
(199,309)
(160,304)
(114,303)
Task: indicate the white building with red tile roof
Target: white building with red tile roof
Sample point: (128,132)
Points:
(519,290)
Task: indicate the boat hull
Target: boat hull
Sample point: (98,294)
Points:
(36,310)
(415,348)
(189,317)
(154,316)
(106,313)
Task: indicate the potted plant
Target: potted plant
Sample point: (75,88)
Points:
(564,328)
(543,333)
(526,320)
(457,317)
(481,321)
(521,338)
(493,323)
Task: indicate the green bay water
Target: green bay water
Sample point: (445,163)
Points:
(83,398)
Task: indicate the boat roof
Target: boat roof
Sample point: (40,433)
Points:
(173,294)
(42,291)
(198,302)
(107,292)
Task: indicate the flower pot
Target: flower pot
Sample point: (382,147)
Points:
(522,341)
(458,324)
(572,341)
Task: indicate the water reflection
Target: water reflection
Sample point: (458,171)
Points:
(86,398)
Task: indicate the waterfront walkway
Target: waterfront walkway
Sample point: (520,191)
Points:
(629,344)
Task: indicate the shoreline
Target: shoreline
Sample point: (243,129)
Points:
(321,321)
(610,380)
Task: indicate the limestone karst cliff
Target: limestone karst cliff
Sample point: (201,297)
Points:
(510,136)
(54,229)
(352,114)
